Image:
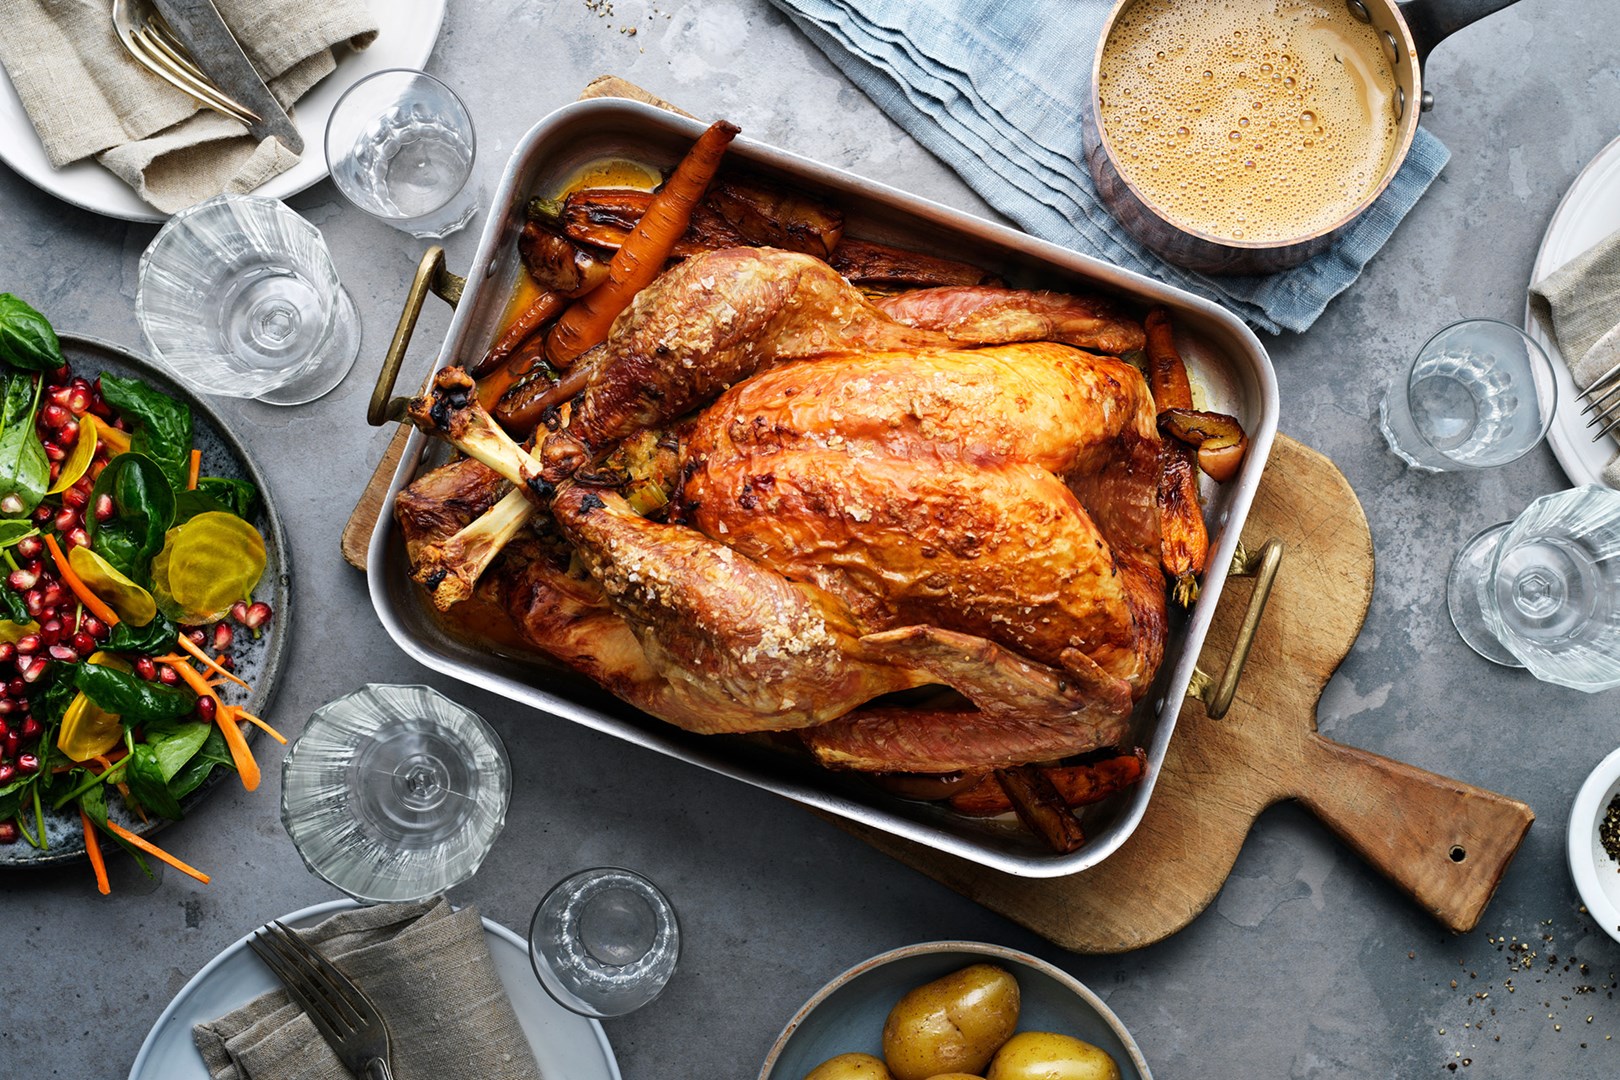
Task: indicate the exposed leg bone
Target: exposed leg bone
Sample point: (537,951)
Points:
(450,568)
(451,410)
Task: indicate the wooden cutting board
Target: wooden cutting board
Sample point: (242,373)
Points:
(1443,842)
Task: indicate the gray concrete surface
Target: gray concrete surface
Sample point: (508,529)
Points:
(1307,965)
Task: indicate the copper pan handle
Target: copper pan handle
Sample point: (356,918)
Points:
(431,276)
(1432,21)
(1262,565)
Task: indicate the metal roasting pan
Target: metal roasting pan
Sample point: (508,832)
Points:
(1230,372)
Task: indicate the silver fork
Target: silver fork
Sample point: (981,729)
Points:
(340,1011)
(1603,395)
(148,39)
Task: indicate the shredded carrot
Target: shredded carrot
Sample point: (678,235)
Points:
(196,650)
(642,256)
(92,848)
(155,851)
(241,756)
(102,763)
(196,468)
(82,591)
(243,714)
(116,441)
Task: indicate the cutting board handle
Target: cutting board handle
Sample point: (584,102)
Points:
(1444,843)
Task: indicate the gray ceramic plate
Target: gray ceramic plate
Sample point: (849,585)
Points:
(258,662)
(846,1016)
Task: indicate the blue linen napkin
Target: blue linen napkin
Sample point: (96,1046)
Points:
(996,89)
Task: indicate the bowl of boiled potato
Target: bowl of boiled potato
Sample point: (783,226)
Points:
(954,1010)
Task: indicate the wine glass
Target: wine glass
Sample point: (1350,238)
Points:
(1543,591)
(604,942)
(395,792)
(401,147)
(238,296)
(1477,395)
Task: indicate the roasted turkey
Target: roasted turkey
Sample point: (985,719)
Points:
(955,489)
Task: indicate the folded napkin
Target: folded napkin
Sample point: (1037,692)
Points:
(427,969)
(1579,304)
(996,89)
(86,96)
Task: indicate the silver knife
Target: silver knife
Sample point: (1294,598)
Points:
(198,25)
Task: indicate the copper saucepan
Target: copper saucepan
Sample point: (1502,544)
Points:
(1408,32)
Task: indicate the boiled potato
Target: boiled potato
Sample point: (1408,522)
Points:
(956,1076)
(951,1025)
(850,1067)
(1041,1055)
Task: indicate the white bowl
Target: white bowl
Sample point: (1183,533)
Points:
(846,1015)
(1597,876)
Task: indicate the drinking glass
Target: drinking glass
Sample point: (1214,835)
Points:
(1479,394)
(604,942)
(395,792)
(1543,591)
(400,146)
(237,296)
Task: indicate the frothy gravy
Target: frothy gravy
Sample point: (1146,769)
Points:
(1248,120)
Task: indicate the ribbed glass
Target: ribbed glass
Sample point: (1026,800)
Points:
(1551,593)
(395,792)
(237,296)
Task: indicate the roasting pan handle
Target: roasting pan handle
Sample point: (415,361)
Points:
(431,276)
(1262,566)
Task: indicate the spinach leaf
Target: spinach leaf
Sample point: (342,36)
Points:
(146,783)
(156,636)
(135,700)
(174,741)
(58,695)
(163,425)
(213,753)
(237,496)
(26,338)
(11,797)
(25,472)
(13,607)
(13,530)
(143,509)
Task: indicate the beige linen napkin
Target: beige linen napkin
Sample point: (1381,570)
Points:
(85,96)
(1579,304)
(429,971)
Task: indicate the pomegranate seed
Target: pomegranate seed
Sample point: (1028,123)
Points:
(69,435)
(13,504)
(222,637)
(168,676)
(9,747)
(197,636)
(58,395)
(145,668)
(257,615)
(8,772)
(16,688)
(81,383)
(65,653)
(226,662)
(75,498)
(30,547)
(83,643)
(207,709)
(28,764)
(95,627)
(78,401)
(53,416)
(239,611)
(78,538)
(66,520)
(7,707)
(22,579)
(34,601)
(27,645)
(31,729)
(53,594)
(55,453)
(104,508)
(96,466)
(50,631)
(101,409)
(42,512)
(9,832)
(32,668)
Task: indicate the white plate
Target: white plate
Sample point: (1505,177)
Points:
(1589,864)
(565,1044)
(1590,210)
(407,31)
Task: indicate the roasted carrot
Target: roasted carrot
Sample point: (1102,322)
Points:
(197,650)
(155,851)
(639,260)
(1185,545)
(242,714)
(545,307)
(194,470)
(241,756)
(92,848)
(82,591)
